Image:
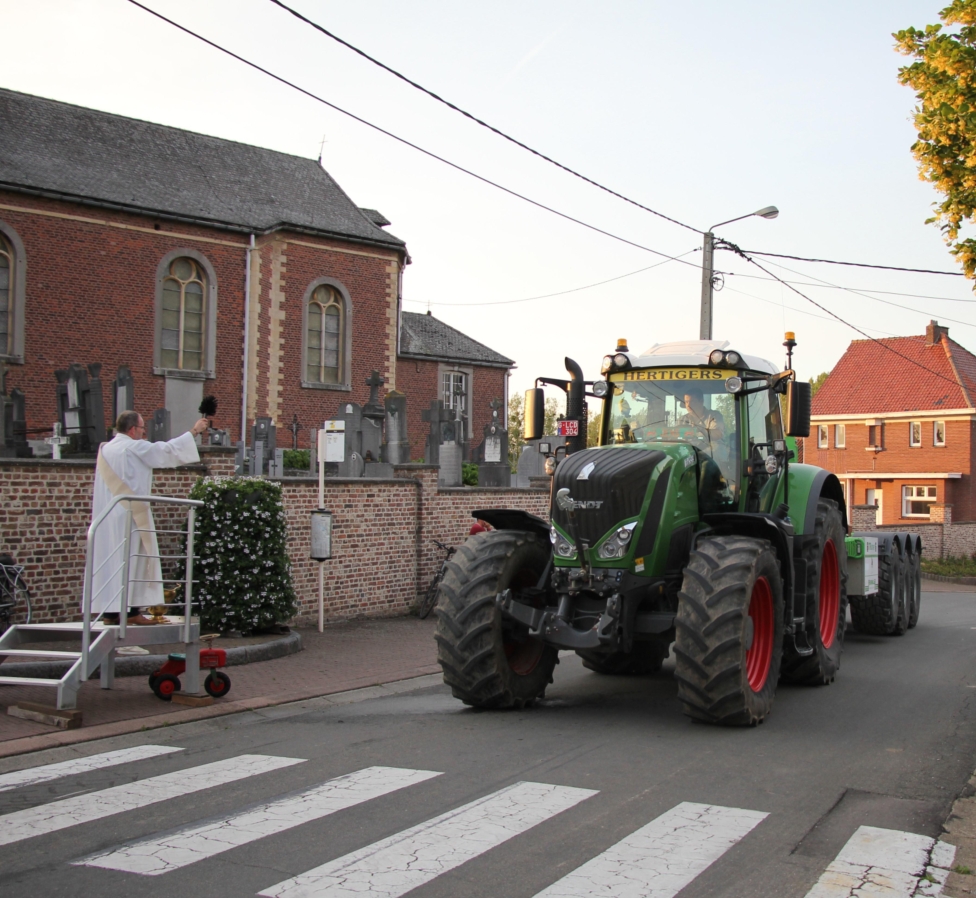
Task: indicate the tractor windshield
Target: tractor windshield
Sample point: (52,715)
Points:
(680,409)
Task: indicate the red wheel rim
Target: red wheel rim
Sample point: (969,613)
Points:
(523,655)
(829,594)
(166,687)
(759,656)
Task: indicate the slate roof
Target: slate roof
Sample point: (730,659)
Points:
(85,155)
(424,337)
(869,379)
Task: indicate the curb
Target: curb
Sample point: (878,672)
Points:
(941,578)
(143,665)
(419,678)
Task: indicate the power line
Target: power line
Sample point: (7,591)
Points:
(956,274)
(854,327)
(827,286)
(403,140)
(479,121)
(508,302)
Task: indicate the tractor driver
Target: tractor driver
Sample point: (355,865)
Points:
(708,422)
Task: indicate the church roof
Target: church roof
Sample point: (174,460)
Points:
(83,155)
(425,337)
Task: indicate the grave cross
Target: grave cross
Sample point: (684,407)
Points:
(373,408)
(57,440)
(495,405)
(294,427)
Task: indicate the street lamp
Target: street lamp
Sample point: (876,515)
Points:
(708,274)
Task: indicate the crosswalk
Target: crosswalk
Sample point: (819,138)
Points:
(656,860)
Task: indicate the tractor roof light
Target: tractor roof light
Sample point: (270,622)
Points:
(622,345)
(621,361)
(607,364)
(733,358)
(716,357)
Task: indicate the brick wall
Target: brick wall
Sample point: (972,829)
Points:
(383,531)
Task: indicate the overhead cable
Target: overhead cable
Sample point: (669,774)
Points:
(955,274)
(403,140)
(480,121)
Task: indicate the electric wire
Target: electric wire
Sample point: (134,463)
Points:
(403,140)
(828,286)
(479,121)
(508,302)
(740,252)
(956,274)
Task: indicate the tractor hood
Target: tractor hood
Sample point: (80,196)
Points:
(608,484)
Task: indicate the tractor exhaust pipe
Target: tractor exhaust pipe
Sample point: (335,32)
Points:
(576,406)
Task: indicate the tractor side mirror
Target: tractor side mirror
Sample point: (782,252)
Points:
(535,414)
(798,399)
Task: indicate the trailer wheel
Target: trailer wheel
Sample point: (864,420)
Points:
(903,595)
(488,661)
(914,577)
(826,593)
(728,646)
(877,615)
(646,658)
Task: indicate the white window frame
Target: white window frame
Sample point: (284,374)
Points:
(208,371)
(840,436)
(935,433)
(916,493)
(345,339)
(823,438)
(445,369)
(915,434)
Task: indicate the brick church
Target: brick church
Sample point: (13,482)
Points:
(208,267)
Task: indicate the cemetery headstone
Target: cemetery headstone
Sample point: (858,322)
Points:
(57,440)
(276,464)
(352,464)
(15,426)
(493,469)
(123,392)
(532,462)
(158,428)
(396,449)
(372,422)
(257,459)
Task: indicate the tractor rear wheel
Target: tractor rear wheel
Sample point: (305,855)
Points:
(489,661)
(877,614)
(728,645)
(646,658)
(826,595)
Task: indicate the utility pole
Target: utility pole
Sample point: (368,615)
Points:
(708,265)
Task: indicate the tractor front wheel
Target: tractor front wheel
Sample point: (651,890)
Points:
(728,645)
(489,661)
(825,592)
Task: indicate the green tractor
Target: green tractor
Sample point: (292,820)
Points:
(688,524)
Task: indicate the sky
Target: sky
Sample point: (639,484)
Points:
(704,111)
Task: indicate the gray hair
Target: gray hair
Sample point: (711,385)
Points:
(126,421)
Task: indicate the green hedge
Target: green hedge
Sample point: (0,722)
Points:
(298,459)
(469,474)
(242,571)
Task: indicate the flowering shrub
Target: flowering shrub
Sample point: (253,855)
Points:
(242,572)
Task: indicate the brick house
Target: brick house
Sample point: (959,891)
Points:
(206,266)
(899,433)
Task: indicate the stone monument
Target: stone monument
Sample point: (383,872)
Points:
(493,468)
(396,449)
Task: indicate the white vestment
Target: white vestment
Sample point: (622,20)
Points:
(133,462)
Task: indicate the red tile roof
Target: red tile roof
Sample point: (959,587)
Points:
(870,379)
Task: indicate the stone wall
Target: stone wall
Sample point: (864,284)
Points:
(383,531)
(941,537)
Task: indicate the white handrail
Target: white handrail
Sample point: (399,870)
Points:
(86,602)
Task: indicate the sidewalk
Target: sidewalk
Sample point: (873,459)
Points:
(346,656)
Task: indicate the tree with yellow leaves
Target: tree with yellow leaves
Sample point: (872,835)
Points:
(943,76)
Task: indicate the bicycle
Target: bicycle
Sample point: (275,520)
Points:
(430,597)
(15,604)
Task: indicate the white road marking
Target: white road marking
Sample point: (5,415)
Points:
(49,818)
(660,859)
(32,775)
(395,866)
(160,855)
(886,863)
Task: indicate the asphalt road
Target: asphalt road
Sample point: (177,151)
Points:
(889,744)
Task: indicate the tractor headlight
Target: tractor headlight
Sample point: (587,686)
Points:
(562,546)
(616,545)
(772,464)
(621,361)
(607,364)
(733,384)
(716,357)
(550,465)
(733,359)
(600,389)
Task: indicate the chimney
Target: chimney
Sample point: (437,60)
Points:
(934,333)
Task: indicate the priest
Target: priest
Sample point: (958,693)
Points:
(125,467)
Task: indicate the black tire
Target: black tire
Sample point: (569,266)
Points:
(429,600)
(728,645)
(877,614)
(914,590)
(490,662)
(903,596)
(825,592)
(165,686)
(646,658)
(217,684)
(152,681)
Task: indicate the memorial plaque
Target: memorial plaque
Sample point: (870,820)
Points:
(493,449)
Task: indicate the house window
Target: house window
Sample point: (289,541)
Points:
(875,436)
(324,336)
(822,436)
(184,315)
(938,433)
(915,433)
(454,390)
(840,436)
(917,501)
(13,264)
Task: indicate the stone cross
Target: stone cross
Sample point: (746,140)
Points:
(438,418)
(294,427)
(57,440)
(373,407)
